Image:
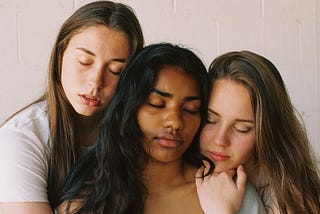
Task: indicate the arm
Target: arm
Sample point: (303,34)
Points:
(219,192)
(25,208)
(23,168)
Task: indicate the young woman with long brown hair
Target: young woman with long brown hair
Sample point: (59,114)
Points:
(40,144)
(252,122)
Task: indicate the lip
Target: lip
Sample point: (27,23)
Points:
(170,141)
(89,100)
(218,156)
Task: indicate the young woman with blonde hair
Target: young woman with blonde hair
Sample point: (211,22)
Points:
(252,122)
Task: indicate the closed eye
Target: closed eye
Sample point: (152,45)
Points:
(156,106)
(114,72)
(84,63)
(193,112)
(212,122)
(243,130)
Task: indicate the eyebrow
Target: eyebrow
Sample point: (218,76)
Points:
(166,94)
(92,54)
(238,120)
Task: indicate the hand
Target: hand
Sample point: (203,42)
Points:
(219,192)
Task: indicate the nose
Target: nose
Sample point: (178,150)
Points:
(221,136)
(96,78)
(174,120)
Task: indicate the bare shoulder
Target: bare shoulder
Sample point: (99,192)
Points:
(190,173)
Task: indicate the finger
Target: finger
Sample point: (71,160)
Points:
(230,172)
(206,171)
(241,178)
(206,163)
(207,167)
(199,175)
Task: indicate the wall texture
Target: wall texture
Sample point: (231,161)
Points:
(285,31)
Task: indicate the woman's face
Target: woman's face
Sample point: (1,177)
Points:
(91,65)
(228,138)
(170,117)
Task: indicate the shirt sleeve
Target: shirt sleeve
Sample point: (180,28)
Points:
(252,203)
(23,166)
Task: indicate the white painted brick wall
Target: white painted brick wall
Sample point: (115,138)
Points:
(285,31)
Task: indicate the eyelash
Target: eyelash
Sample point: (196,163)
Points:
(113,72)
(84,63)
(191,112)
(211,122)
(162,106)
(116,73)
(156,106)
(243,131)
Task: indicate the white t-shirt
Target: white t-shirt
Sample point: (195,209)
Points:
(24,155)
(251,203)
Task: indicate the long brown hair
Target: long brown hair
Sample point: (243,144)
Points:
(283,152)
(64,147)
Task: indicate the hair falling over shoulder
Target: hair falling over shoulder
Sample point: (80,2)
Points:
(65,149)
(284,155)
(109,178)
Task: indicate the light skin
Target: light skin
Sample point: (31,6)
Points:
(91,66)
(228,138)
(221,192)
(170,119)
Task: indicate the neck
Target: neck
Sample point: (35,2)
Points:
(87,129)
(159,177)
(253,174)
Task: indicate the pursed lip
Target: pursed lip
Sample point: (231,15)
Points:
(169,140)
(90,100)
(218,156)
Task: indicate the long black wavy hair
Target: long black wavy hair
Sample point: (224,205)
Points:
(108,179)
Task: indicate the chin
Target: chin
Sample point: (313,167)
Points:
(85,113)
(88,111)
(221,169)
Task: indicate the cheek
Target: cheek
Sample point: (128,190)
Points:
(205,137)
(147,127)
(71,75)
(110,85)
(144,122)
(245,149)
(192,126)
(110,80)
(66,81)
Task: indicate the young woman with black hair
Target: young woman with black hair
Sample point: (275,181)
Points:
(147,154)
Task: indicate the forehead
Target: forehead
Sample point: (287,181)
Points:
(230,98)
(176,80)
(99,37)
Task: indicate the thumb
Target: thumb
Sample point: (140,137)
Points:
(241,178)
